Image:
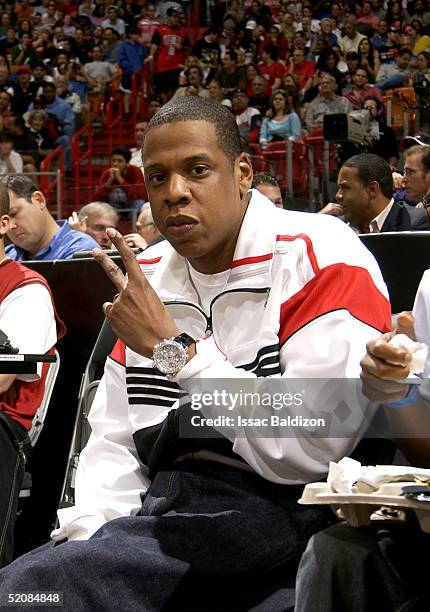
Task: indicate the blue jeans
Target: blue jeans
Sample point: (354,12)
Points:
(383,567)
(397,80)
(209,537)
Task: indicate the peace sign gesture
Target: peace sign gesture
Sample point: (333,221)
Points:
(137,315)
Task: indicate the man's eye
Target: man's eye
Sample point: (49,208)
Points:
(200,170)
(157,178)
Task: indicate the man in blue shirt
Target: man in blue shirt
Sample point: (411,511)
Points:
(34,232)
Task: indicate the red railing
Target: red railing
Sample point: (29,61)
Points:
(51,179)
(141,89)
(82,157)
(114,121)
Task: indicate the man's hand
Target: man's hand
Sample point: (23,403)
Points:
(332,208)
(135,241)
(383,364)
(136,314)
(77,224)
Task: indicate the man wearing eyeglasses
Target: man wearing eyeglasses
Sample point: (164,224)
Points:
(147,232)
(416,177)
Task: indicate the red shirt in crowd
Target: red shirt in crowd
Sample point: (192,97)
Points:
(167,56)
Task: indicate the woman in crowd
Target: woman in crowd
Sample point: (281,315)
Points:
(283,124)
(251,72)
(215,93)
(327,62)
(369,58)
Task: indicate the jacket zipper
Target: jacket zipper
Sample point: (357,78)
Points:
(209,322)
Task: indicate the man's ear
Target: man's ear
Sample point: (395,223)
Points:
(245,174)
(38,199)
(4,225)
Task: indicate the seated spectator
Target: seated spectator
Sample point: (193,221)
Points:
(154,105)
(24,53)
(113,21)
(5,108)
(63,113)
(395,75)
(122,184)
(248,118)
(284,124)
(369,58)
(94,219)
(365,190)
(258,98)
(24,91)
(386,145)
(230,76)
(62,90)
(271,69)
(130,59)
(23,142)
(81,46)
(194,76)
(111,45)
(33,231)
(207,49)
(326,103)
(37,123)
(327,62)
(268,186)
(360,89)
(216,93)
(28,320)
(57,106)
(302,68)
(416,177)
(39,76)
(10,161)
(366,15)
(139,132)
(6,84)
(352,38)
(147,233)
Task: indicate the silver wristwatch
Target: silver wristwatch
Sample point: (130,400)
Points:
(171,355)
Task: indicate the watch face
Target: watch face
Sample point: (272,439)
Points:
(169,357)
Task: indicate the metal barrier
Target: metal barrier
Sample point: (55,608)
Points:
(114,120)
(53,165)
(82,156)
(141,89)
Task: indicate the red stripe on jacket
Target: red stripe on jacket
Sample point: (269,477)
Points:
(118,352)
(336,287)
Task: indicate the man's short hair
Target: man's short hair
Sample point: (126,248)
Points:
(4,200)
(424,151)
(272,50)
(98,208)
(20,185)
(5,136)
(263,178)
(232,55)
(122,150)
(370,168)
(194,108)
(146,210)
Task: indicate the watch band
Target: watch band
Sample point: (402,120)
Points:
(185,339)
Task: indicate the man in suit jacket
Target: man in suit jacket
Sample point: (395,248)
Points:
(364,198)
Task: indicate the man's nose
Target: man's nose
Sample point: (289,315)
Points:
(178,190)
(338,196)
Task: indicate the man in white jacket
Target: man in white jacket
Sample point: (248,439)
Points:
(175,513)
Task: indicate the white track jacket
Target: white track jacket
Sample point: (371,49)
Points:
(303,298)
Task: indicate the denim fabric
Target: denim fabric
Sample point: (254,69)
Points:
(209,537)
(11,476)
(381,568)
